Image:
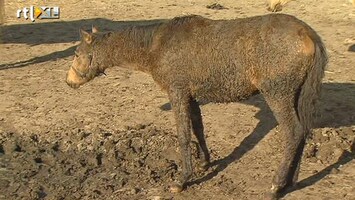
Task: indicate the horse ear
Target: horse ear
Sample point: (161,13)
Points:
(85,36)
(94,29)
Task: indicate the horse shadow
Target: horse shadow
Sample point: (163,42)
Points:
(351,48)
(336,109)
(56,32)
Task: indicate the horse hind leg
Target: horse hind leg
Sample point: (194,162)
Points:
(197,129)
(294,136)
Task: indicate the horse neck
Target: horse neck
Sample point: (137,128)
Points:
(133,45)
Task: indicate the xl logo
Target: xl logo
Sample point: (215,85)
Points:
(42,12)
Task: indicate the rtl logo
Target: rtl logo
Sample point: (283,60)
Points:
(42,12)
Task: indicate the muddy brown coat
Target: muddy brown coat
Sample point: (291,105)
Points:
(196,59)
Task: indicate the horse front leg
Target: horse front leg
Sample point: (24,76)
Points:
(179,100)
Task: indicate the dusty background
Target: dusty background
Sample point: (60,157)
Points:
(115,138)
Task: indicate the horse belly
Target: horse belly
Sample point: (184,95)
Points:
(224,91)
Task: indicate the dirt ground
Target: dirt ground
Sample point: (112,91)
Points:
(115,137)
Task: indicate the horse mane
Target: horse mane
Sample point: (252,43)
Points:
(142,35)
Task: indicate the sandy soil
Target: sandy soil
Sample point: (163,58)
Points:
(115,138)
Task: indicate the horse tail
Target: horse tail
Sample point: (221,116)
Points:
(310,90)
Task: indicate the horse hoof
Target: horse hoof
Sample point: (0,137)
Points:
(203,166)
(176,188)
(271,196)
